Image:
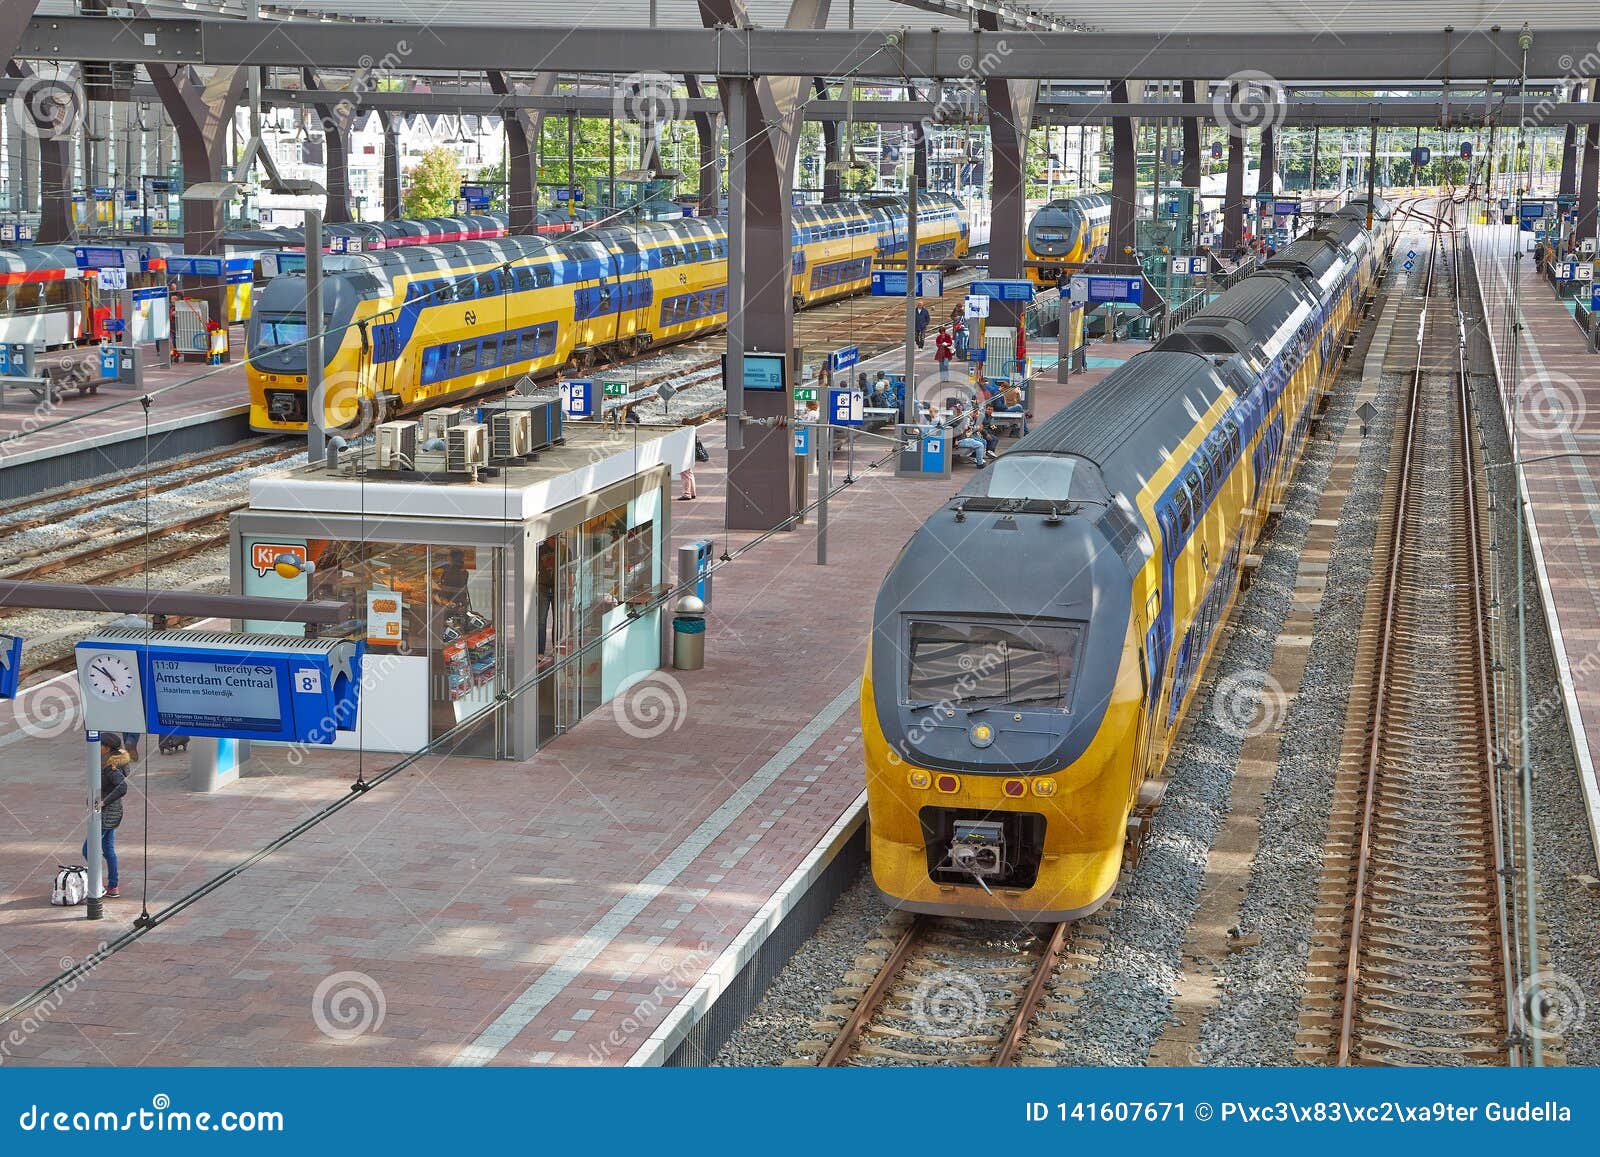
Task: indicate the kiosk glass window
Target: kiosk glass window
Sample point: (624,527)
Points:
(465,646)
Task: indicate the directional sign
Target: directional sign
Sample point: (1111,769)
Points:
(111,277)
(1566,270)
(802,441)
(613,389)
(1366,411)
(1190,266)
(100,256)
(845,407)
(1408,264)
(1018,289)
(1594,297)
(1582,271)
(844,357)
(805,393)
(8,232)
(977,306)
(577,397)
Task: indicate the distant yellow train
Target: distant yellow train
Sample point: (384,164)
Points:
(1065,233)
(425,324)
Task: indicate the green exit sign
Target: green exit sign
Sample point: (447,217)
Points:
(805,394)
(614,389)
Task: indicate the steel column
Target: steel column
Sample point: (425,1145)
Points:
(1589,186)
(1191,141)
(1010,105)
(522,129)
(830,151)
(1569,162)
(335,120)
(1124,182)
(707,128)
(391,164)
(1269,161)
(1233,192)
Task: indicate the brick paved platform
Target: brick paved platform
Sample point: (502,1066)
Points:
(1550,382)
(552,911)
(43,445)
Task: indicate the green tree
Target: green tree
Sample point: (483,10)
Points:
(433,184)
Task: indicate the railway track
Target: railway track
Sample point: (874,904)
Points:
(1411,956)
(944,997)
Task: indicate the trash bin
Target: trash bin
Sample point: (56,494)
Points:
(689,634)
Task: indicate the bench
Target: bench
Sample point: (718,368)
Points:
(41,388)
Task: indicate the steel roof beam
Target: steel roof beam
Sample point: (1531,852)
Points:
(1350,57)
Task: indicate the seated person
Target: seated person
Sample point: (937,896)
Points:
(989,431)
(964,435)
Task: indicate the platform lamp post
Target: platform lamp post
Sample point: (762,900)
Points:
(94,904)
(908,407)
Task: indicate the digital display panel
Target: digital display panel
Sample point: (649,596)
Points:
(763,372)
(211,694)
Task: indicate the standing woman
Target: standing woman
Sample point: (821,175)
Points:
(114,763)
(944,347)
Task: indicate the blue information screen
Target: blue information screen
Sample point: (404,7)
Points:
(764,371)
(216,694)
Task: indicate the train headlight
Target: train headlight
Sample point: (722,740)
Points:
(1042,786)
(981,734)
(919,779)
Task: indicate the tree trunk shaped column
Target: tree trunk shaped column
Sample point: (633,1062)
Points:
(831,191)
(1010,105)
(1124,183)
(1233,195)
(336,123)
(1191,141)
(391,164)
(1590,185)
(707,128)
(522,128)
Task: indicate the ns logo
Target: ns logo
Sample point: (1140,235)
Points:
(472,317)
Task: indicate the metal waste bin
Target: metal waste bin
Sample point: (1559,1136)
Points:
(689,634)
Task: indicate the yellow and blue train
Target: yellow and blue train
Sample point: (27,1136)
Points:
(1067,233)
(1038,641)
(416,326)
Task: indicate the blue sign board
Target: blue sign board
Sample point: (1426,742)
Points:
(130,196)
(1531,210)
(264,687)
(1594,297)
(103,193)
(185,266)
(1116,289)
(1019,289)
(577,397)
(115,325)
(892,283)
(845,407)
(1566,200)
(10,665)
(476,196)
(802,441)
(935,453)
(843,359)
(1421,155)
(1286,208)
(108,363)
(565,194)
(99,256)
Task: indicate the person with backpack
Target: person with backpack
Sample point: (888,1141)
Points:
(114,763)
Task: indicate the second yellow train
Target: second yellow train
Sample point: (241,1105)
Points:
(415,327)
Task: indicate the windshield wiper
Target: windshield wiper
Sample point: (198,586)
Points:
(922,706)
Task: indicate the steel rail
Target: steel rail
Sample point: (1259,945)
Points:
(872,999)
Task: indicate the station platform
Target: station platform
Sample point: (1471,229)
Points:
(43,445)
(585,906)
(1550,383)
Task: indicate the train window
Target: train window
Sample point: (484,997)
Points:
(487,285)
(1013,663)
(544,276)
(282,329)
(466,357)
(1185,509)
(433,363)
(524,278)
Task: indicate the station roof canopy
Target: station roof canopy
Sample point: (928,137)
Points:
(1327,41)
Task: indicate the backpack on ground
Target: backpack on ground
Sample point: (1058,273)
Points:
(71,886)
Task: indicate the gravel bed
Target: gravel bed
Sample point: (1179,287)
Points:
(110,513)
(788,1013)
(1125,1002)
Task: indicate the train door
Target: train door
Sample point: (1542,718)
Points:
(631,295)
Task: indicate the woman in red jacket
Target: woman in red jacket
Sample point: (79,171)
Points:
(944,348)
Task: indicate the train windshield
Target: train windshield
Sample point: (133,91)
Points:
(1045,477)
(281,329)
(991,663)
